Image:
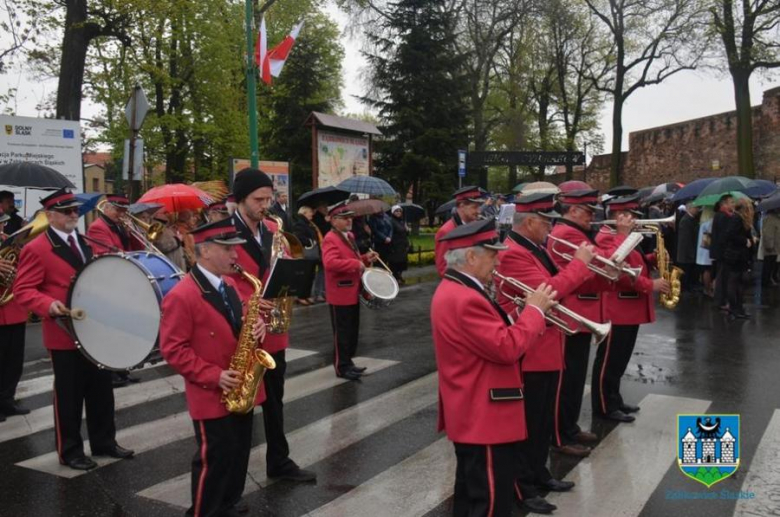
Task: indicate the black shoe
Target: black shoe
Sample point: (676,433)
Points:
(118,382)
(573,449)
(14,409)
(628,408)
(618,416)
(556,485)
(351,375)
(81,463)
(295,474)
(133,378)
(241,507)
(358,369)
(742,316)
(2,417)
(537,505)
(115,452)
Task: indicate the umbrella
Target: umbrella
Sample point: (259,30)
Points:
(691,190)
(728,184)
(667,188)
(519,187)
(412,212)
(571,185)
(177,197)
(770,203)
(368,206)
(711,199)
(367,185)
(32,175)
(539,187)
(622,190)
(763,188)
(88,201)
(137,208)
(644,192)
(446,208)
(327,195)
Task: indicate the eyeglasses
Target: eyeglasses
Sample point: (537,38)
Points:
(68,211)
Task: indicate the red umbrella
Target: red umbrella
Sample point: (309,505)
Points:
(177,197)
(571,185)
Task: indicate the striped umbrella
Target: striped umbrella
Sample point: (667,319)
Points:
(367,185)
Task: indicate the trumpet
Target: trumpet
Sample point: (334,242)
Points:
(633,272)
(599,330)
(639,222)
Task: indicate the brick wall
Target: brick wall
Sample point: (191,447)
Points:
(695,149)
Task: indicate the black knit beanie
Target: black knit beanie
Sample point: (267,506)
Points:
(248,180)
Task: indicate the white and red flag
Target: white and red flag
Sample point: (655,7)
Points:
(270,62)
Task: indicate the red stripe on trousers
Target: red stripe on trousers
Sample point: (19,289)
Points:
(491,481)
(601,376)
(204,460)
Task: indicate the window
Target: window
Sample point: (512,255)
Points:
(95,185)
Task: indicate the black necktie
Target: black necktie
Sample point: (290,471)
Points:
(226,301)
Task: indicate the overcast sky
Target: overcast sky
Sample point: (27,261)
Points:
(684,96)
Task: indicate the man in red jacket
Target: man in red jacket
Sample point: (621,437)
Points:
(200,326)
(631,305)
(344,265)
(13,322)
(253,191)
(526,260)
(468,200)
(478,350)
(107,234)
(46,267)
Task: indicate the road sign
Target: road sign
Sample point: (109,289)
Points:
(461,163)
(136,109)
(138,159)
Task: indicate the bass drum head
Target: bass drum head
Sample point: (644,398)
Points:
(122,309)
(380,284)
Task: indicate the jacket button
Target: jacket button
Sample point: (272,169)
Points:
(211,333)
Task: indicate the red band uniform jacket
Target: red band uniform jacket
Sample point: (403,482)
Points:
(108,237)
(198,340)
(441,247)
(477,354)
(255,258)
(529,264)
(632,303)
(342,262)
(47,266)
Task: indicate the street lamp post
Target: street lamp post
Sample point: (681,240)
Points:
(251,85)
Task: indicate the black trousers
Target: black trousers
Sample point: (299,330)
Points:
(576,354)
(278,450)
(79,383)
(721,277)
(769,270)
(345,320)
(11,360)
(484,479)
(220,464)
(610,364)
(540,390)
(735,287)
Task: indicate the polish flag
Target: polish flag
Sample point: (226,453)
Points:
(261,51)
(271,62)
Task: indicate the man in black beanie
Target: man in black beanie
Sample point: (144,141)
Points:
(253,190)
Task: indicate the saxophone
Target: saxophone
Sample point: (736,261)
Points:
(248,359)
(280,317)
(669,271)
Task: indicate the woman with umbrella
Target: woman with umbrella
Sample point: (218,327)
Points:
(311,238)
(397,256)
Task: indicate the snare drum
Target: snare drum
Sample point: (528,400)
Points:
(121,295)
(379,288)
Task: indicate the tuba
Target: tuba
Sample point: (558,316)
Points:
(248,359)
(280,317)
(10,252)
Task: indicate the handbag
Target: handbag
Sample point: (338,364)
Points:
(706,240)
(311,252)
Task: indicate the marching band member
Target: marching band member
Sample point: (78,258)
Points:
(467,203)
(578,208)
(631,305)
(13,323)
(253,190)
(217,211)
(480,386)
(344,266)
(527,260)
(107,233)
(199,330)
(46,266)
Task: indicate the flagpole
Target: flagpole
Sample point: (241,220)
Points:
(251,85)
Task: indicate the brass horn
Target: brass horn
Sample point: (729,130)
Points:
(599,330)
(633,272)
(143,231)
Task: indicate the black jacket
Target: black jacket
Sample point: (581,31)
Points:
(399,243)
(687,238)
(736,252)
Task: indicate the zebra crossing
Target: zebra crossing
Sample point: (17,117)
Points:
(349,444)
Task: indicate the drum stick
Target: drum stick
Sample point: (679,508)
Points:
(381,261)
(76,314)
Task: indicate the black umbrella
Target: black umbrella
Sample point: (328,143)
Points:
(622,190)
(327,195)
(446,208)
(770,203)
(412,212)
(32,175)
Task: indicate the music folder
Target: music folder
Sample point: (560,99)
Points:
(290,277)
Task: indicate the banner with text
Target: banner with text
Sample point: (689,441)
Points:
(340,157)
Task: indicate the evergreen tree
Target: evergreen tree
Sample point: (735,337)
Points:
(419,91)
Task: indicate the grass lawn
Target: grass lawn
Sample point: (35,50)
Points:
(424,241)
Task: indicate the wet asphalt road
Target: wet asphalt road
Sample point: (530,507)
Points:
(693,352)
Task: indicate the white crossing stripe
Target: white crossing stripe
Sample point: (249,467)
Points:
(412,488)
(150,435)
(763,478)
(322,438)
(650,443)
(132,395)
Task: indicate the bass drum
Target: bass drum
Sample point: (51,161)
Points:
(121,296)
(379,288)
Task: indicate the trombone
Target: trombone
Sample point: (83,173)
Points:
(633,272)
(145,232)
(599,330)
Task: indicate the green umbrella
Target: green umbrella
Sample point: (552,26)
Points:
(711,199)
(728,184)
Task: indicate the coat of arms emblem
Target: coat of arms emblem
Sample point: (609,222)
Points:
(708,446)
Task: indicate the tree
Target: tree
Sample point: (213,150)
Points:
(419,90)
(651,41)
(18,24)
(750,37)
